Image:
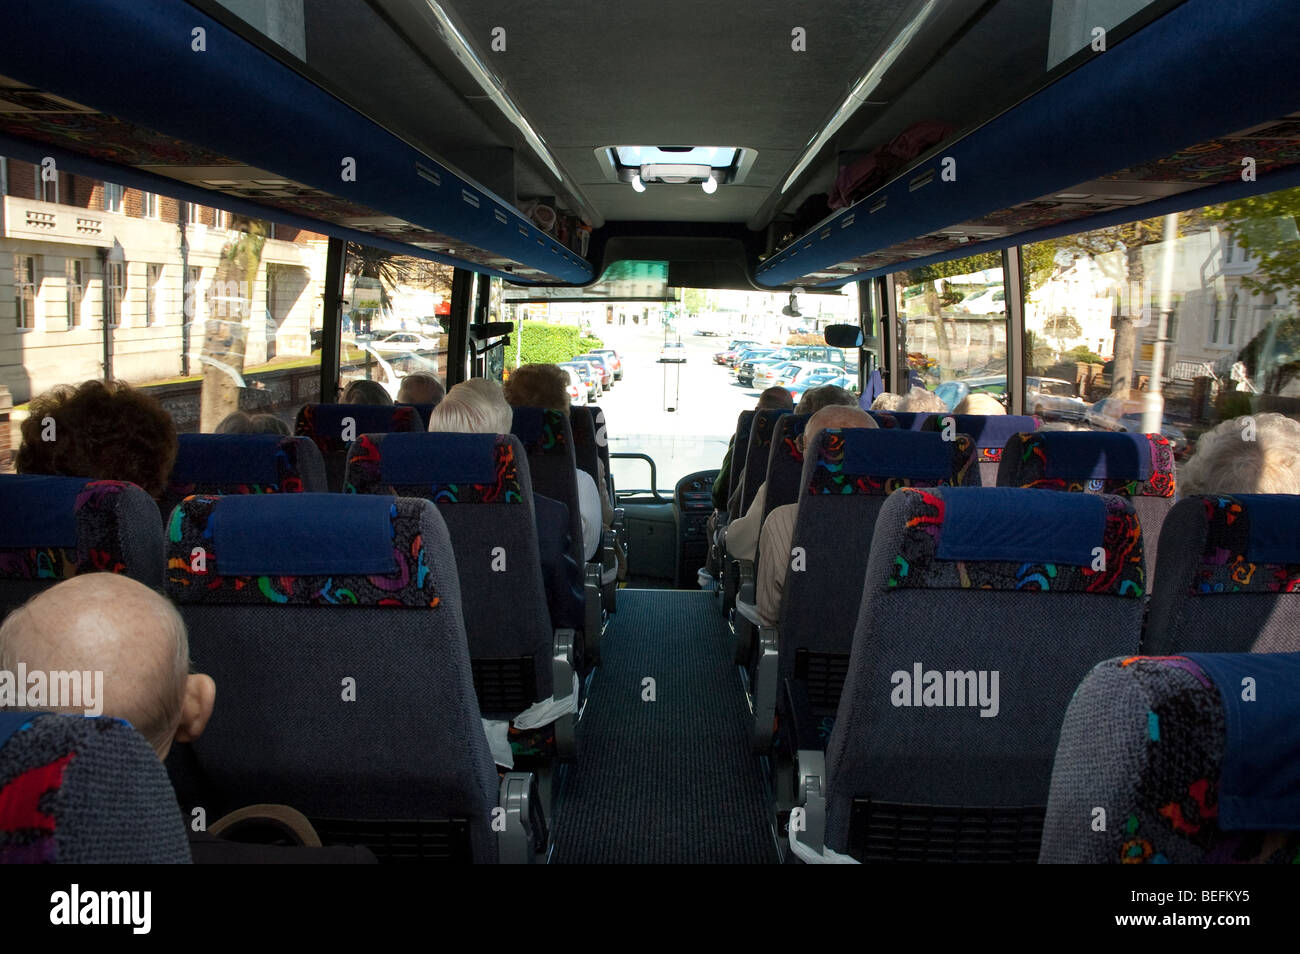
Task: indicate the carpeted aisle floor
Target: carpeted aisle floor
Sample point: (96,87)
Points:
(670,781)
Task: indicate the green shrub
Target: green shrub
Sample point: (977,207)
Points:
(1081,353)
(548,344)
(588,343)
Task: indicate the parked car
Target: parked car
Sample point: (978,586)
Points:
(673,352)
(1053,399)
(1118,414)
(618,362)
(794,372)
(745,370)
(990,301)
(576,387)
(808,381)
(748,354)
(402,341)
(602,371)
(607,361)
(590,377)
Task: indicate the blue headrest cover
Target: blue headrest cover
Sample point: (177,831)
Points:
(895,453)
(1094,455)
(438,458)
(907,420)
(527,424)
(303,535)
(369,418)
(1020,526)
(227,458)
(39,511)
(1259,785)
(990,430)
(1274,527)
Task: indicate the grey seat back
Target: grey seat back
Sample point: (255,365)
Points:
(332,625)
(1178,765)
(54,528)
(602,444)
(585,451)
(332,427)
(981,612)
(785,463)
(847,476)
(739,453)
(1229,576)
(481,487)
(547,440)
(75,790)
(243,464)
(754,467)
(1137,466)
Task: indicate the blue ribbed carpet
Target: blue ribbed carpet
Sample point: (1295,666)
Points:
(670,781)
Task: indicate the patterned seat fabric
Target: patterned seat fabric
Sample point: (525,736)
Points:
(243,464)
(332,427)
(53,528)
(495,544)
(1137,466)
(847,476)
(547,439)
(1229,578)
(981,610)
(990,432)
(319,616)
(785,462)
(1145,740)
(754,470)
(84,791)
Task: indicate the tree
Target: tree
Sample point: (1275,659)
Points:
(226,335)
(1266,226)
(387,269)
(1272,357)
(1063,328)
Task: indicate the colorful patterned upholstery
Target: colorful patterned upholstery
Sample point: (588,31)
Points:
(1144,739)
(785,462)
(918,563)
(438,457)
(191,579)
(53,528)
(1229,578)
(1094,463)
(84,791)
(883,460)
(332,427)
(990,432)
(219,464)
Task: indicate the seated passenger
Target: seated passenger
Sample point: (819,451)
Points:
(978,402)
(921,401)
(773,399)
(111,624)
(778,529)
(420,388)
(109,431)
(478,406)
(887,402)
(1253,454)
(362,391)
(742,533)
(241,422)
(545,386)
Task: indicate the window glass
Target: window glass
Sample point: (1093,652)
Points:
(1178,322)
(953,321)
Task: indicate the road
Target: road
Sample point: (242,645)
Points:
(704,395)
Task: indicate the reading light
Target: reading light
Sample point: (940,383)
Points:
(709,185)
(638,184)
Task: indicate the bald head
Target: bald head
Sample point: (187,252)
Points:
(112,624)
(835,416)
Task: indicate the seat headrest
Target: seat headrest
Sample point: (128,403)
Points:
(443,467)
(904,420)
(307,549)
(873,461)
(1129,465)
(788,430)
(1005,538)
(541,430)
(38,511)
(326,424)
(252,460)
(990,432)
(1252,543)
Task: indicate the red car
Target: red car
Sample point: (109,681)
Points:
(613,356)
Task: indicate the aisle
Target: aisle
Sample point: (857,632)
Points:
(670,780)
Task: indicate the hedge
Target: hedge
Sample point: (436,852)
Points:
(545,343)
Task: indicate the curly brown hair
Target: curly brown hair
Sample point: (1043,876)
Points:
(106,430)
(538,385)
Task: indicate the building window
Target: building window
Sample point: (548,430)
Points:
(153,295)
(192,285)
(116,292)
(76,285)
(112,197)
(46,190)
(1232,319)
(1214,319)
(193,214)
(149,205)
(25,281)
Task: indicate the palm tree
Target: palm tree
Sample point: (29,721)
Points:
(226,337)
(384,268)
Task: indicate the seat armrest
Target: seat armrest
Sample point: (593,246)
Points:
(594,618)
(810,771)
(747,582)
(562,665)
(765,687)
(524,836)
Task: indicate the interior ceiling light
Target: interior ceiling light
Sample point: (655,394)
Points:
(709,185)
(637,184)
(861,90)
